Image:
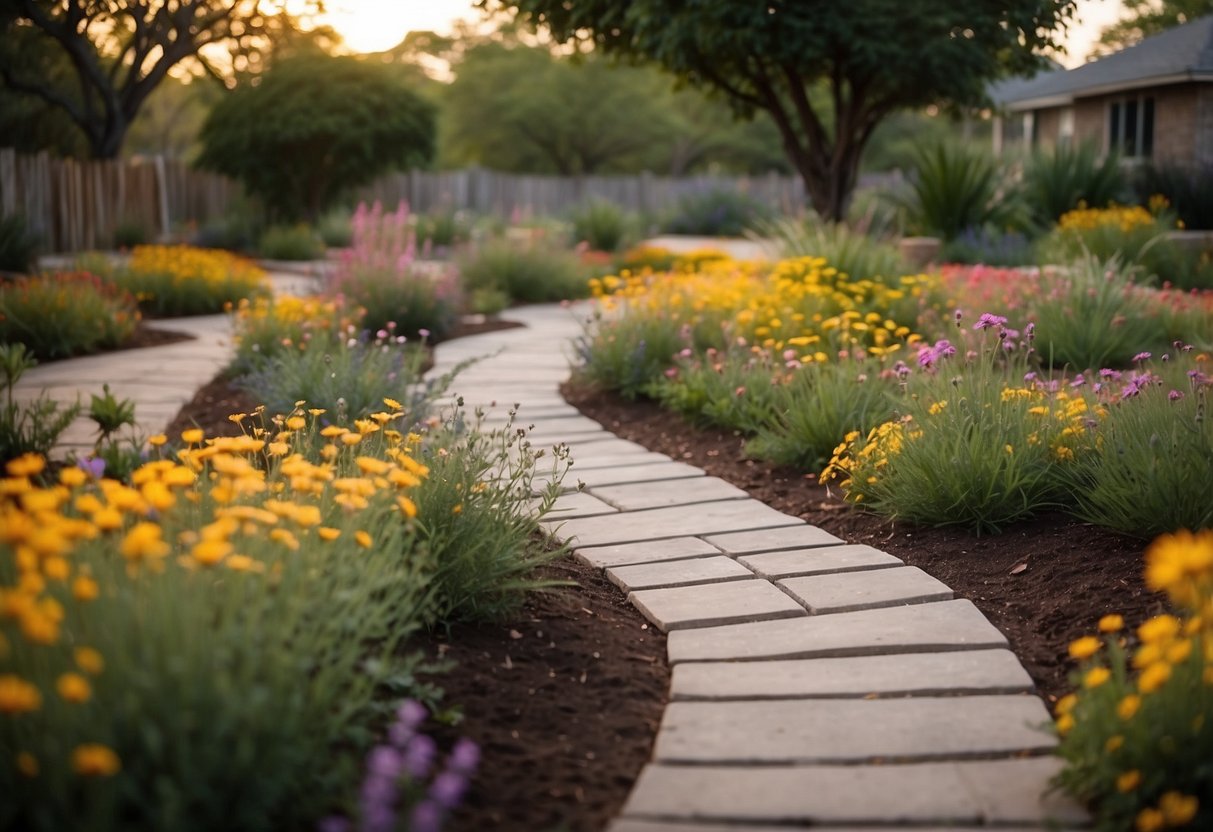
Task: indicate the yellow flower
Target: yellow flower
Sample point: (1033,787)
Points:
(1128,706)
(1066,704)
(1154,677)
(1178,809)
(157,440)
(1128,781)
(73,476)
(1149,820)
(210,552)
(26,465)
(1159,628)
(73,687)
(1084,647)
(1065,724)
(27,764)
(328,533)
(1111,624)
(393,404)
(1114,743)
(407,506)
(143,541)
(296,423)
(93,760)
(1095,677)
(364,539)
(89,660)
(192,436)
(17,695)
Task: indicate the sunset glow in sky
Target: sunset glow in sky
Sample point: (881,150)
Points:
(375,25)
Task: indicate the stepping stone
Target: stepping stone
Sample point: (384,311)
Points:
(584,462)
(903,674)
(921,628)
(825,731)
(636,825)
(850,591)
(770,540)
(677,573)
(638,472)
(675,521)
(649,552)
(790,564)
(678,608)
(669,493)
(576,504)
(920,794)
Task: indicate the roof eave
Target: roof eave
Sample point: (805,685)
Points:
(1066,99)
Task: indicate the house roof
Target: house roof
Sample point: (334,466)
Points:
(1184,53)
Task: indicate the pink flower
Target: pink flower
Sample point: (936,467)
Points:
(987,320)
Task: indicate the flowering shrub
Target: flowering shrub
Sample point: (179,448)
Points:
(182,280)
(1125,219)
(526,271)
(1136,736)
(267,328)
(65,314)
(380,273)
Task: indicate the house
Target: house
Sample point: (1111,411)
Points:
(1150,102)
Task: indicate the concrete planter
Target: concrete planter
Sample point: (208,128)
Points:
(1193,241)
(917,252)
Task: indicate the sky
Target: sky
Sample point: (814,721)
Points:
(375,25)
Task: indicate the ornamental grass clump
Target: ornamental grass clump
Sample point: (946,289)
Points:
(1136,734)
(525,272)
(1147,468)
(65,314)
(380,273)
(970,446)
(169,281)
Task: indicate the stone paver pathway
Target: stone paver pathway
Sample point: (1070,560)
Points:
(814,682)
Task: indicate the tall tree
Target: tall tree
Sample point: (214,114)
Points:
(97,61)
(876,57)
(1143,18)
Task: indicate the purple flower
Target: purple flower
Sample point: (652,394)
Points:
(411,713)
(1078,381)
(1141,356)
(94,466)
(334,823)
(1029,378)
(1175,395)
(426,817)
(987,320)
(399,735)
(465,756)
(378,819)
(1112,374)
(448,788)
(385,761)
(419,756)
(1029,331)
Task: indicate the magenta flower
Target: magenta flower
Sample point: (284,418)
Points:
(1175,395)
(987,321)
(1141,356)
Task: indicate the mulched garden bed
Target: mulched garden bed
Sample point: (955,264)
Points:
(1043,583)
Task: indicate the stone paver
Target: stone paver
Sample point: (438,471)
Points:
(947,793)
(578,504)
(769,540)
(622,554)
(850,591)
(637,496)
(677,573)
(639,825)
(942,626)
(852,730)
(642,472)
(819,561)
(675,521)
(900,674)
(678,608)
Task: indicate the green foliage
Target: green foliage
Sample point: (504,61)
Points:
(990,247)
(716,214)
(1142,18)
(732,389)
(602,225)
(1090,315)
(66,314)
(1188,191)
(315,127)
(439,231)
(17,244)
(32,427)
(1148,468)
(131,233)
(896,56)
(291,242)
(526,272)
(630,354)
(1061,179)
(853,253)
(335,229)
(954,188)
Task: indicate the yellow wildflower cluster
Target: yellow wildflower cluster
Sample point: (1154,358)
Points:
(1086,219)
(1172,686)
(186,264)
(801,304)
(239,503)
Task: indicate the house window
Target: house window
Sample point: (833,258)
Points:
(1131,127)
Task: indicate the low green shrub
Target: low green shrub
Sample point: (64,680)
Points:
(294,242)
(601,225)
(526,272)
(853,253)
(630,354)
(732,388)
(1071,176)
(440,231)
(131,233)
(716,214)
(1147,467)
(169,281)
(336,229)
(1135,734)
(989,247)
(31,427)
(953,188)
(65,314)
(642,257)
(265,328)
(18,245)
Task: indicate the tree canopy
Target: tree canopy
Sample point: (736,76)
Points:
(1142,18)
(874,56)
(313,126)
(97,61)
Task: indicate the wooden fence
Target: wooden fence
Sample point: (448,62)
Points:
(76,205)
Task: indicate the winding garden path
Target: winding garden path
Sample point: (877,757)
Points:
(814,682)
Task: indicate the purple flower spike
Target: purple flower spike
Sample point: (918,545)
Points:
(1175,395)
(411,713)
(334,823)
(385,761)
(426,817)
(465,756)
(448,788)
(419,756)
(1141,356)
(378,819)
(987,321)
(94,466)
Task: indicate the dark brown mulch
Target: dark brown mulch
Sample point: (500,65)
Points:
(1043,583)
